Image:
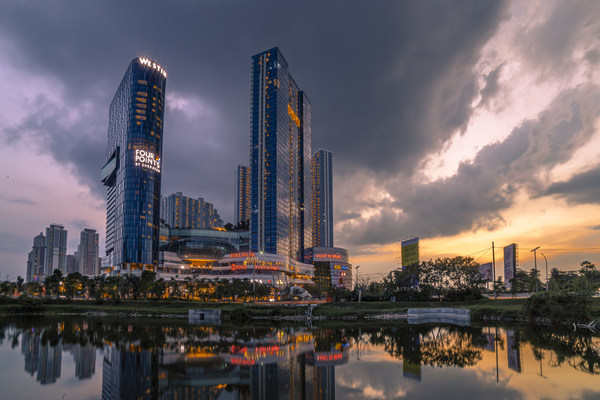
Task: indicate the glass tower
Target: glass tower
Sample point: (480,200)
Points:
(132,171)
(322,198)
(280,153)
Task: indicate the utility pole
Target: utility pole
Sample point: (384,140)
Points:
(494,270)
(535,265)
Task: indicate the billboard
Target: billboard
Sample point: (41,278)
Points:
(485,270)
(410,251)
(510,263)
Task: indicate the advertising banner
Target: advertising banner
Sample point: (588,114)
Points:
(410,251)
(510,263)
(485,270)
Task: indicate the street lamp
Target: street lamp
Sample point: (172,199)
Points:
(535,264)
(546,271)
(359,291)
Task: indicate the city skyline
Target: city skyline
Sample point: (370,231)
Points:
(461,123)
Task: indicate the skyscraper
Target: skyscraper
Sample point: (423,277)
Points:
(242,194)
(55,256)
(35,259)
(280,152)
(87,252)
(180,211)
(322,199)
(132,171)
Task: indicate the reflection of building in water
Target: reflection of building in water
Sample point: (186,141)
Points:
(324,363)
(49,363)
(85,360)
(130,373)
(30,348)
(45,360)
(283,366)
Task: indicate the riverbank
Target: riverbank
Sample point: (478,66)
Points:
(481,310)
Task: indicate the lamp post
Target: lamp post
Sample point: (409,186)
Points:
(357,286)
(535,265)
(546,270)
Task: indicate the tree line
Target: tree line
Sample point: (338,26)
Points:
(134,287)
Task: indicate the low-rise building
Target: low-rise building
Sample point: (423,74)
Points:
(331,267)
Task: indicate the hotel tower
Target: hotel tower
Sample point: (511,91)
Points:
(132,172)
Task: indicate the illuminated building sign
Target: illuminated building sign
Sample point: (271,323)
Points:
(237,267)
(146,159)
(151,64)
(266,267)
(241,255)
(334,256)
(330,357)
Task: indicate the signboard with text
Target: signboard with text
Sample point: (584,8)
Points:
(410,251)
(510,263)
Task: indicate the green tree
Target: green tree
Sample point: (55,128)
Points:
(19,284)
(72,284)
(52,283)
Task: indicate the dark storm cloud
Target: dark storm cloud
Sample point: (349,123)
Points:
(580,189)
(389,81)
(480,190)
(76,141)
(492,87)
(550,45)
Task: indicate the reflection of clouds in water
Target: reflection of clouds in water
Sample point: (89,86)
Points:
(364,379)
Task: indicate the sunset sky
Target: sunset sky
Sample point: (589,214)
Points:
(461,122)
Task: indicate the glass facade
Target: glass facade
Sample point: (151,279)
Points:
(280,149)
(132,171)
(322,199)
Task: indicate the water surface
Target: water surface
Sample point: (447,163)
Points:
(110,358)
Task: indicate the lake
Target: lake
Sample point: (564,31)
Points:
(120,358)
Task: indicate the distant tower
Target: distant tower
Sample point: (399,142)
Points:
(242,194)
(35,259)
(322,199)
(185,212)
(56,249)
(280,151)
(88,252)
(132,172)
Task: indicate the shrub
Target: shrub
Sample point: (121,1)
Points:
(561,305)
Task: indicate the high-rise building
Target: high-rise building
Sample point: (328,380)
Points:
(35,259)
(280,153)
(322,199)
(183,212)
(72,263)
(87,252)
(55,256)
(132,171)
(242,194)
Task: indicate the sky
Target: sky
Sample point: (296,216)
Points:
(460,122)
